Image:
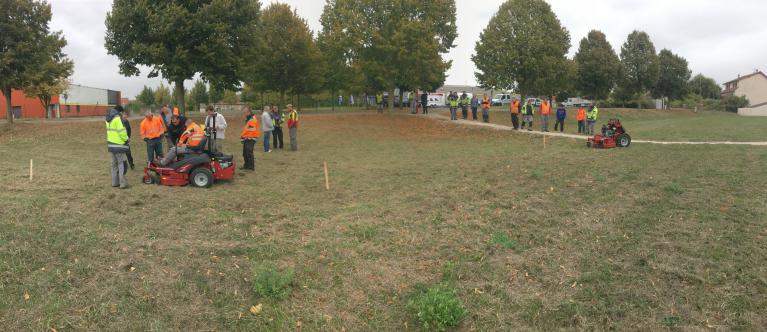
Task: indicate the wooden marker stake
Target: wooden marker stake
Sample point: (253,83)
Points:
(544,141)
(31,169)
(327,179)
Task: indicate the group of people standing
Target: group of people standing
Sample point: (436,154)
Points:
(267,126)
(465,102)
(587,119)
(182,134)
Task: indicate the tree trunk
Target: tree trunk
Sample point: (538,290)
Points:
(333,108)
(7,93)
(391,101)
(181,94)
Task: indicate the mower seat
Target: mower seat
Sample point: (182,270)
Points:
(191,159)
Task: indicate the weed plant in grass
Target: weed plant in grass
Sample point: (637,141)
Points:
(268,281)
(437,307)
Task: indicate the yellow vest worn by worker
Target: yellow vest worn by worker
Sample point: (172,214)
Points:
(593,114)
(117,135)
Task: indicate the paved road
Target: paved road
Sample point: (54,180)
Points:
(441,117)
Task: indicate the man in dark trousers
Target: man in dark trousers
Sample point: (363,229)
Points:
(249,136)
(126,124)
(279,121)
(425,102)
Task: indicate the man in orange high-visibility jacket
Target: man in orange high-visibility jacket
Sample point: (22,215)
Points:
(191,138)
(152,131)
(545,113)
(581,117)
(516,107)
(486,102)
(249,136)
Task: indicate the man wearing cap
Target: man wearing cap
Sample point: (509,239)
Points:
(152,130)
(117,140)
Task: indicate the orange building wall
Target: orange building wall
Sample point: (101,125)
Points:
(30,107)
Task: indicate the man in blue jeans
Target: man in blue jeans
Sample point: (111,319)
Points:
(267,126)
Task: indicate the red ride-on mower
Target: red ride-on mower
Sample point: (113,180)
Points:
(613,135)
(198,167)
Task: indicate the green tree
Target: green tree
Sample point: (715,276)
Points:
(199,94)
(45,91)
(673,78)
(387,39)
(146,97)
(640,68)
(230,97)
(705,87)
(178,39)
(28,46)
(162,95)
(216,94)
(523,48)
(598,66)
(289,60)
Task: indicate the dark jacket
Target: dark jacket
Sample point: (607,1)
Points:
(126,124)
(561,113)
(175,132)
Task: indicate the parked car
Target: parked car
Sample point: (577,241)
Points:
(535,101)
(577,102)
(501,99)
(437,100)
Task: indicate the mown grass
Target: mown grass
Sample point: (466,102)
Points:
(645,238)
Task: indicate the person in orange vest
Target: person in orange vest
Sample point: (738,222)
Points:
(191,139)
(249,136)
(581,117)
(486,108)
(516,107)
(152,131)
(545,113)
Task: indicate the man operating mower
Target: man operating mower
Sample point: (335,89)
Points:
(190,139)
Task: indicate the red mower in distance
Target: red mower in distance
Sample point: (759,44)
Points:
(613,135)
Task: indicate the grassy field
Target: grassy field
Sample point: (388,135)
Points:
(676,125)
(645,238)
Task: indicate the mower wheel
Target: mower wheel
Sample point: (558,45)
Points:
(588,144)
(624,140)
(201,178)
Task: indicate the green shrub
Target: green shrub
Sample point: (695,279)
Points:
(437,307)
(733,103)
(268,281)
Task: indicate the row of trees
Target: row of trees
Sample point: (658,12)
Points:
(364,45)
(32,58)
(524,49)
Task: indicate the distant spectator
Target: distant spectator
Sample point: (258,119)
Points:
(474,107)
(561,116)
(581,117)
(545,113)
(267,126)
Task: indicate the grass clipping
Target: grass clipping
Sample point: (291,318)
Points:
(437,307)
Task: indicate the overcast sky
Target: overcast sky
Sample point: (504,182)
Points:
(719,38)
